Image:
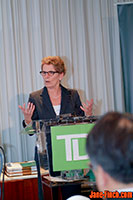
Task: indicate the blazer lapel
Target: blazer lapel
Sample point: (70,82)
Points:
(47,103)
(65,98)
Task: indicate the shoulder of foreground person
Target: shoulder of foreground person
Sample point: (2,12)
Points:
(78,197)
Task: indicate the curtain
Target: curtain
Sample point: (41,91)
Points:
(84,33)
(125,15)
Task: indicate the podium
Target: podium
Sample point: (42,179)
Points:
(60,148)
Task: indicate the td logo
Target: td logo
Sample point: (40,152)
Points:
(75,146)
(68,146)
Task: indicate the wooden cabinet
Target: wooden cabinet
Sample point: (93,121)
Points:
(21,189)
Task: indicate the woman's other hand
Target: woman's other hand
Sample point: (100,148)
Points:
(87,108)
(28,112)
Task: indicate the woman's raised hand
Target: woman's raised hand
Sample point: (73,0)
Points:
(28,112)
(87,108)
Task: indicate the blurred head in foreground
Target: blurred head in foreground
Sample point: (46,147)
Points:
(110,148)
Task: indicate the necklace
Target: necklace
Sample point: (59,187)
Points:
(57,97)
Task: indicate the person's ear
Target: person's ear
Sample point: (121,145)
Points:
(101,178)
(61,76)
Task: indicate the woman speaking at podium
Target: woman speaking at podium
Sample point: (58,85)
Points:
(54,99)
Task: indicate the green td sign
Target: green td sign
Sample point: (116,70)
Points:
(68,146)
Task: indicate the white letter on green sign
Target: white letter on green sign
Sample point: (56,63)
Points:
(74,138)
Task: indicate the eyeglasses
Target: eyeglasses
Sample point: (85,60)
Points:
(50,73)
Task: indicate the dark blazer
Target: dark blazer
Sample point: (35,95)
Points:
(70,103)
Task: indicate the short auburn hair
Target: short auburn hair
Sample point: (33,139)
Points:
(56,61)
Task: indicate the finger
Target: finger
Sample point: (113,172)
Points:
(22,109)
(32,105)
(85,106)
(82,108)
(28,106)
(87,112)
(20,106)
(33,108)
(90,103)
